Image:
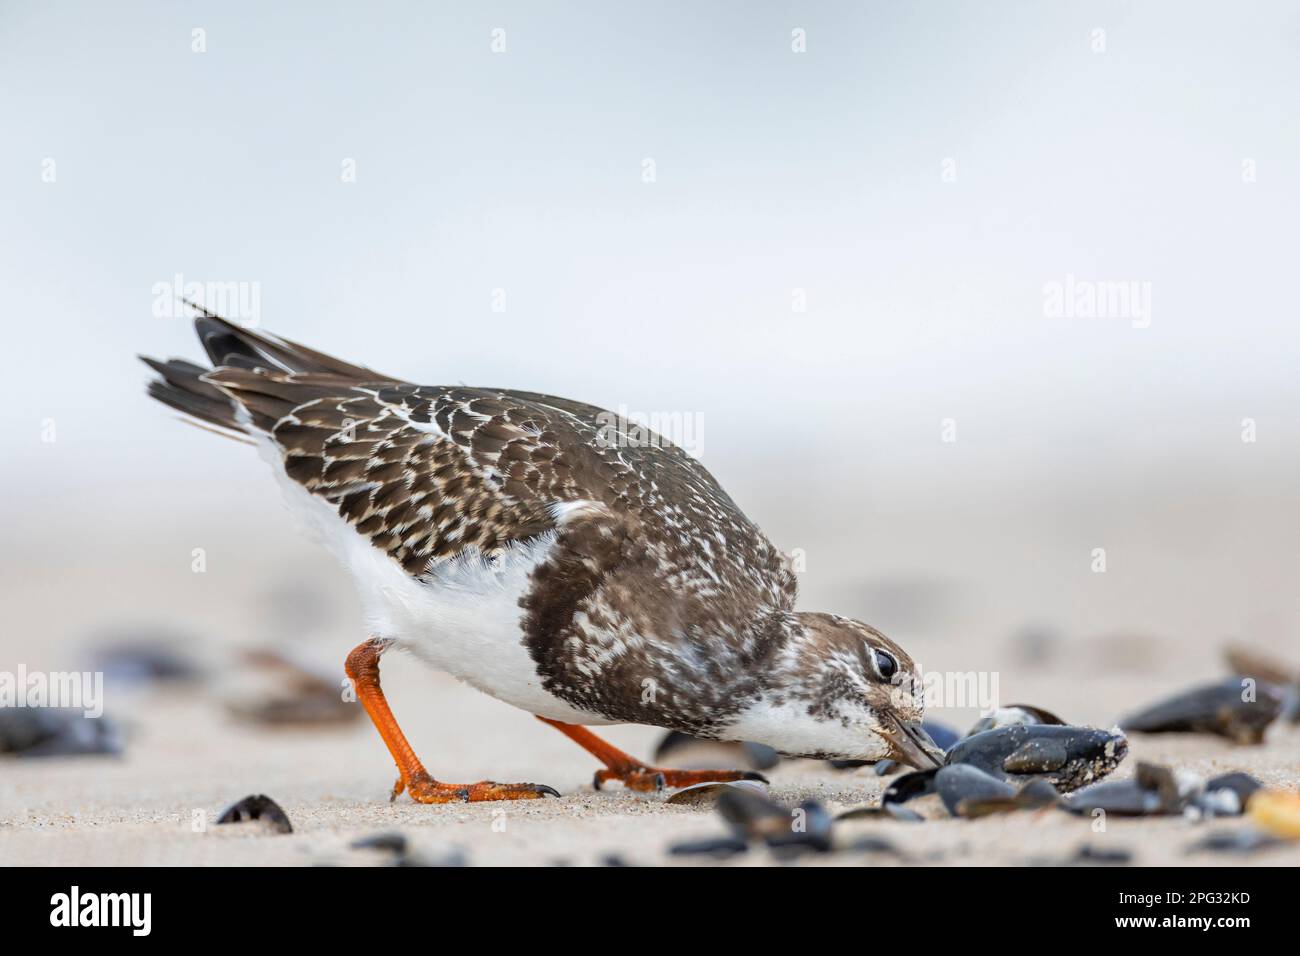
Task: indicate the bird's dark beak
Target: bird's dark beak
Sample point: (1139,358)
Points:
(910,744)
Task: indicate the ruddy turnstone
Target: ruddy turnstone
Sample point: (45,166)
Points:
(580,570)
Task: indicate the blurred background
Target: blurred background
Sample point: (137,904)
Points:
(824,233)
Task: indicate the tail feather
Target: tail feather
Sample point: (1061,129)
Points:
(181,388)
(270,395)
(267,376)
(230,344)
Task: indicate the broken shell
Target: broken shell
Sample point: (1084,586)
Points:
(388,841)
(258,807)
(1089,754)
(1154,790)
(811,829)
(1176,787)
(1276,811)
(1035,795)
(909,786)
(56,732)
(278,689)
(1225,708)
(1090,855)
(706,794)
(1258,664)
(1037,756)
(717,847)
(887,811)
(1121,797)
(874,844)
(1218,803)
(1239,840)
(1013,716)
(147,658)
(755,817)
(1226,795)
(752,815)
(1291,704)
(961,782)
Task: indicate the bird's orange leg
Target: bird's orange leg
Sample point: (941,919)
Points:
(362,667)
(635,775)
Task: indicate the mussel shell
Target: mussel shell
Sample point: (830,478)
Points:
(961,782)
(813,831)
(56,732)
(1125,798)
(716,847)
(886,811)
(1238,840)
(1219,803)
(1035,795)
(1089,753)
(910,786)
(750,813)
(1037,756)
(257,807)
(1154,790)
(753,816)
(874,844)
(1212,709)
(1089,855)
(1256,663)
(942,735)
(389,841)
(1242,784)
(1014,715)
(1291,704)
(707,794)
(147,658)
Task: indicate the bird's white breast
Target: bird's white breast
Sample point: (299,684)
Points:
(464,618)
(789,728)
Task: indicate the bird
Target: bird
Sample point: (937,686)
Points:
(553,555)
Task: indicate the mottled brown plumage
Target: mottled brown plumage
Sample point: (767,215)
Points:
(653,598)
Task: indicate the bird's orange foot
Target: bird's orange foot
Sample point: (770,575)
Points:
(649,779)
(424,789)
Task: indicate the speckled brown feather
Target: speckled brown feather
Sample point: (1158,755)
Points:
(659,557)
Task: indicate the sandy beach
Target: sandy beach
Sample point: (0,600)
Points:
(185,755)
(139,810)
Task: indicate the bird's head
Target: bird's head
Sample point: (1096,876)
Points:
(844,690)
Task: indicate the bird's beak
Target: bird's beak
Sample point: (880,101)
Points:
(910,744)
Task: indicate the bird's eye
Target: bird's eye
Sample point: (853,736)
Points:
(886,665)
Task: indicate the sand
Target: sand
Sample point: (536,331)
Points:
(1120,645)
(185,756)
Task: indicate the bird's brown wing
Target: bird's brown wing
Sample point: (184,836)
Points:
(427,473)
